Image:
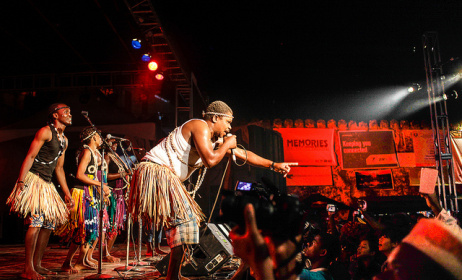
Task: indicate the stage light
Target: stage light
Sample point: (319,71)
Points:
(136,44)
(414,87)
(159,76)
(146,57)
(451,96)
(153,66)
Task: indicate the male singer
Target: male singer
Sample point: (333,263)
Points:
(157,189)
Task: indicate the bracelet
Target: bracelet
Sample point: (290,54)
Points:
(19,182)
(272,166)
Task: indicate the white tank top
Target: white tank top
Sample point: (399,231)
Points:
(188,154)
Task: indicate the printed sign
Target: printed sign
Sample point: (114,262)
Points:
(309,146)
(367,149)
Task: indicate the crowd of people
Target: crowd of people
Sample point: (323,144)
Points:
(342,245)
(398,246)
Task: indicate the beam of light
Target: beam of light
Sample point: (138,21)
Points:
(448,83)
(416,106)
(378,103)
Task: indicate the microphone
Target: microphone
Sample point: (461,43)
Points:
(232,150)
(84,113)
(109,136)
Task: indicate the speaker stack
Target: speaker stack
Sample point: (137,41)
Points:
(212,252)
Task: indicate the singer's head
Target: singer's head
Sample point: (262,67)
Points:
(60,112)
(88,135)
(220,116)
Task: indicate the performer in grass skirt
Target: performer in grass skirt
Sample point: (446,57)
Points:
(157,191)
(82,229)
(34,196)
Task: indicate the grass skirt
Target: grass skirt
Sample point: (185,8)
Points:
(158,195)
(38,197)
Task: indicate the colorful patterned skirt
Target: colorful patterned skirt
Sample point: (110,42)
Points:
(38,197)
(83,225)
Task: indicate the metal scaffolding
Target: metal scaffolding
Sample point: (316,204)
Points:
(187,93)
(439,120)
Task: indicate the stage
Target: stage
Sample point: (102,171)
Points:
(12,258)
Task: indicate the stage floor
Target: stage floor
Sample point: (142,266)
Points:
(12,260)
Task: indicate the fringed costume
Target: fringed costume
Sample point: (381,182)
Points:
(83,223)
(158,194)
(116,207)
(39,197)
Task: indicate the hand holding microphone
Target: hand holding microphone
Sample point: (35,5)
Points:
(230,137)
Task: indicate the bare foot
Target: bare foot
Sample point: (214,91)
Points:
(80,266)
(44,271)
(91,261)
(69,269)
(89,264)
(31,275)
(110,259)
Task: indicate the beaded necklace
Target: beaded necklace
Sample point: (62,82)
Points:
(201,167)
(62,142)
(92,169)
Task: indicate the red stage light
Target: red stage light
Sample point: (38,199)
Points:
(153,66)
(159,76)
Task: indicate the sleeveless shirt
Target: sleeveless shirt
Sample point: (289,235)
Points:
(187,153)
(47,153)
(91,169)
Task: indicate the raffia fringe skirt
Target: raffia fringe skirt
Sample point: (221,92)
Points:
(38,197)
(158,195)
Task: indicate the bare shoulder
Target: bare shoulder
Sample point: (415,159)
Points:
(195,126)
(44,134)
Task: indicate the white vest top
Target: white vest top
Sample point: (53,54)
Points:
(188,154)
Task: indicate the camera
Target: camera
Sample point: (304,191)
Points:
(330,208)
(279,215)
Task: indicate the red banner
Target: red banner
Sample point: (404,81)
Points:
(309,146)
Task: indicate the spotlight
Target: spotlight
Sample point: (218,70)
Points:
(159,76)
(451,96)
(136,44)
(153,66)
(146,57)
(414,87)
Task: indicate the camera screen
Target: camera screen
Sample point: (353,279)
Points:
(243,186)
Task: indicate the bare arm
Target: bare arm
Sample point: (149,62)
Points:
(61,177)
(44,134)
(83,163)
(201,135)
(256,160)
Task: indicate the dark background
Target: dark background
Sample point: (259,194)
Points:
(301,59)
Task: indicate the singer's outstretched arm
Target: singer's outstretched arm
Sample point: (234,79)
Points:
(256,160)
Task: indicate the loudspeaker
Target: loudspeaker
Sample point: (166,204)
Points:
(212,252)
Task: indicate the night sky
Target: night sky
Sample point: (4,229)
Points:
(301,59)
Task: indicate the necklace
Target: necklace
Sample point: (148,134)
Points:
(62,142)
(201,167)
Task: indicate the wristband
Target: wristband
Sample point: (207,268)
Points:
(19,182)
(272,166)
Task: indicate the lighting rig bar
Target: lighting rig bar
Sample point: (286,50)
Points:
(439,120)
(145,16)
